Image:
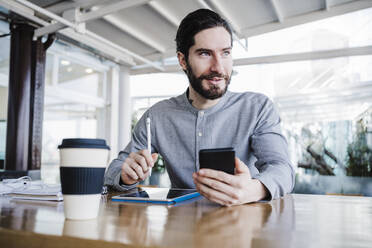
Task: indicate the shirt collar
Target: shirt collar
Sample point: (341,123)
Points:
(210,110)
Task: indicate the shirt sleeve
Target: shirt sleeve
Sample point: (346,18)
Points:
(138,142)
(271,150)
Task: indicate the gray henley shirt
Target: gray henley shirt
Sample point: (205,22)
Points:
(246,121)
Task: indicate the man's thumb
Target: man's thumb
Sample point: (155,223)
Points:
(155,156)
(240,167)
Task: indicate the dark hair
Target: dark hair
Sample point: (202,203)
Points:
(195,22)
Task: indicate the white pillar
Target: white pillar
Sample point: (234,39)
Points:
(101,113)
(125,108)
(112,111)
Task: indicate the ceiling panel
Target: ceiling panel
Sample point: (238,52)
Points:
(180,8)
(154,25)
(249,13)
(295,7)
(105,29)
(337,2)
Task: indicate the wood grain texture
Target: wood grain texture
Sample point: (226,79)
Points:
(292,221)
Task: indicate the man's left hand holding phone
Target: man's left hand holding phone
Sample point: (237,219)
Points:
(228,190)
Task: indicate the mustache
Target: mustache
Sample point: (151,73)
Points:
(213,75)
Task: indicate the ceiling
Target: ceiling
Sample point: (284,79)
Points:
(140,33)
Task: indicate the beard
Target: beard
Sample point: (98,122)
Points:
(214,91)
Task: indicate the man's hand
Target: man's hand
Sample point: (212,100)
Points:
(227,189)
(136,166)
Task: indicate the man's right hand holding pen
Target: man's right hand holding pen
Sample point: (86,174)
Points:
(136,166)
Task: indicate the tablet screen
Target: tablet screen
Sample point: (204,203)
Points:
(157,194)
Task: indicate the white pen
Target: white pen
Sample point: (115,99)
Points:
(148,130)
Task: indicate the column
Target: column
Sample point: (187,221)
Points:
(125,108)
(26,99)
(112,111)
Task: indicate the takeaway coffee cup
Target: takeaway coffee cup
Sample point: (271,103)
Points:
(82,168)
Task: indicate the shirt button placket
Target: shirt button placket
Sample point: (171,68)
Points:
(198,134)
(200,123)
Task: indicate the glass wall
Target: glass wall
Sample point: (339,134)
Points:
(348,30)
(145,91)
(325,105)
(4,80)
(74,101)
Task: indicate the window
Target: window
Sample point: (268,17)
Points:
(350,30)
(149,89)
(74,103)
(325,104)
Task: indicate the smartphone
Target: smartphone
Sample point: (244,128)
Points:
(222,159)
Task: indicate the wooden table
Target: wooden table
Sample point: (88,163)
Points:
(293,221)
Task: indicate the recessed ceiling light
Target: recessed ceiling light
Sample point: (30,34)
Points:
(65,62)
(89,70)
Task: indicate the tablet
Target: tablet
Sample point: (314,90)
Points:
(157,195)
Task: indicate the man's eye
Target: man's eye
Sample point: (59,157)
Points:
(204,53)
(226,53)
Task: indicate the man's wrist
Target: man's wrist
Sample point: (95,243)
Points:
(261,190)
(121,181)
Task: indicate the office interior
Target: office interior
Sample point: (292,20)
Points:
(109,61)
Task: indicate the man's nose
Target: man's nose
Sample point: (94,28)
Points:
(217,65)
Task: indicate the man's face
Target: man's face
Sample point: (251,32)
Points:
(209,65)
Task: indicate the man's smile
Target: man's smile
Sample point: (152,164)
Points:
(215,80)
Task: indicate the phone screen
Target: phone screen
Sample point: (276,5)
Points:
(222,159)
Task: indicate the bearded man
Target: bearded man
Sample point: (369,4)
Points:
(207,115)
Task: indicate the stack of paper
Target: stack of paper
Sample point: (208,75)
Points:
(31,190)
(49,193)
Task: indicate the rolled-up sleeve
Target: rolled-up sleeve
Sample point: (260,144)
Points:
(271,150)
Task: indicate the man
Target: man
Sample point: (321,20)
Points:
(209,116)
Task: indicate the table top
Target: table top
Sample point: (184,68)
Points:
(292,221)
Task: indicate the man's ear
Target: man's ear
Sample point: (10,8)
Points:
(182,60)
